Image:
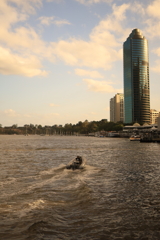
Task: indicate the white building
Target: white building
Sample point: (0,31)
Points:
(158,120)
(154,116)
(117,108)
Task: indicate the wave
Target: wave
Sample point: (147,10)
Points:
(8,181)
(28,207)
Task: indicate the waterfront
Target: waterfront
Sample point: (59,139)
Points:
(116,196)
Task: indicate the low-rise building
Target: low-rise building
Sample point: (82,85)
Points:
(154,116)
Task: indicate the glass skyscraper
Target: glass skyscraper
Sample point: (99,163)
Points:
(136,79)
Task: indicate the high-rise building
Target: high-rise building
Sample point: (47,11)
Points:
(154,116)
(116,108)
(136,79)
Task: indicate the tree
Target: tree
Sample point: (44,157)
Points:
(14,125)
(92,127)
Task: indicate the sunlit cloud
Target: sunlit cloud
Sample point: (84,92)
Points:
(152,29)
(153,9)
(22,49)
(53,105)
(26,50)
(138,8)
(46,20)
(107,109)
(13,117)
(86,2)
(102,50)
(10,113)
(93,113)
(92,74)
(52,20)
(13,64)
(28,6)
(100,86)
(156,67)
(149,16)
(61,22)
(56,1)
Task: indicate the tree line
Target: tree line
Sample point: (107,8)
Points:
(85,127)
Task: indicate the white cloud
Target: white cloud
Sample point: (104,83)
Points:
(46,20)
(28,6)
(21,48)
(92,74)
(153,9)
(51,20)
(61,22)
(86,2)
(28,49)
(152,29)
(90,54)
(14,64)
(103,48)
(148,15)
(56,1)
(110,32)
(100,86)
(138,8)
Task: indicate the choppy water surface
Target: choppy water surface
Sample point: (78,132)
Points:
(116,195)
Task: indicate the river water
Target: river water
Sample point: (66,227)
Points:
(116,195)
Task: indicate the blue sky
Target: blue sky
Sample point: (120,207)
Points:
(61,60)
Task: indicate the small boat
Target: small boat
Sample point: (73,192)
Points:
(135,138)
(76,163)
(113,134)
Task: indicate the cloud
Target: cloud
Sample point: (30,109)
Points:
(87,2)
(28,49)
(138,8)
(51,20)
(53,105)
(156,67)
(61,22)
(100,86)
(11,113)
(152,29)
(56,1)
(28,6)
(103,48)
(80,53)
(153,9)
(149,16)
(92,74)
(157,51)
(22,49)
(46,20)
(13,64)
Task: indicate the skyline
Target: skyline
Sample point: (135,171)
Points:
(62,60)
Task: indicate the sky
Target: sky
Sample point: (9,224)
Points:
(61,61)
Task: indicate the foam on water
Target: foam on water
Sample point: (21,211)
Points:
(28,207)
